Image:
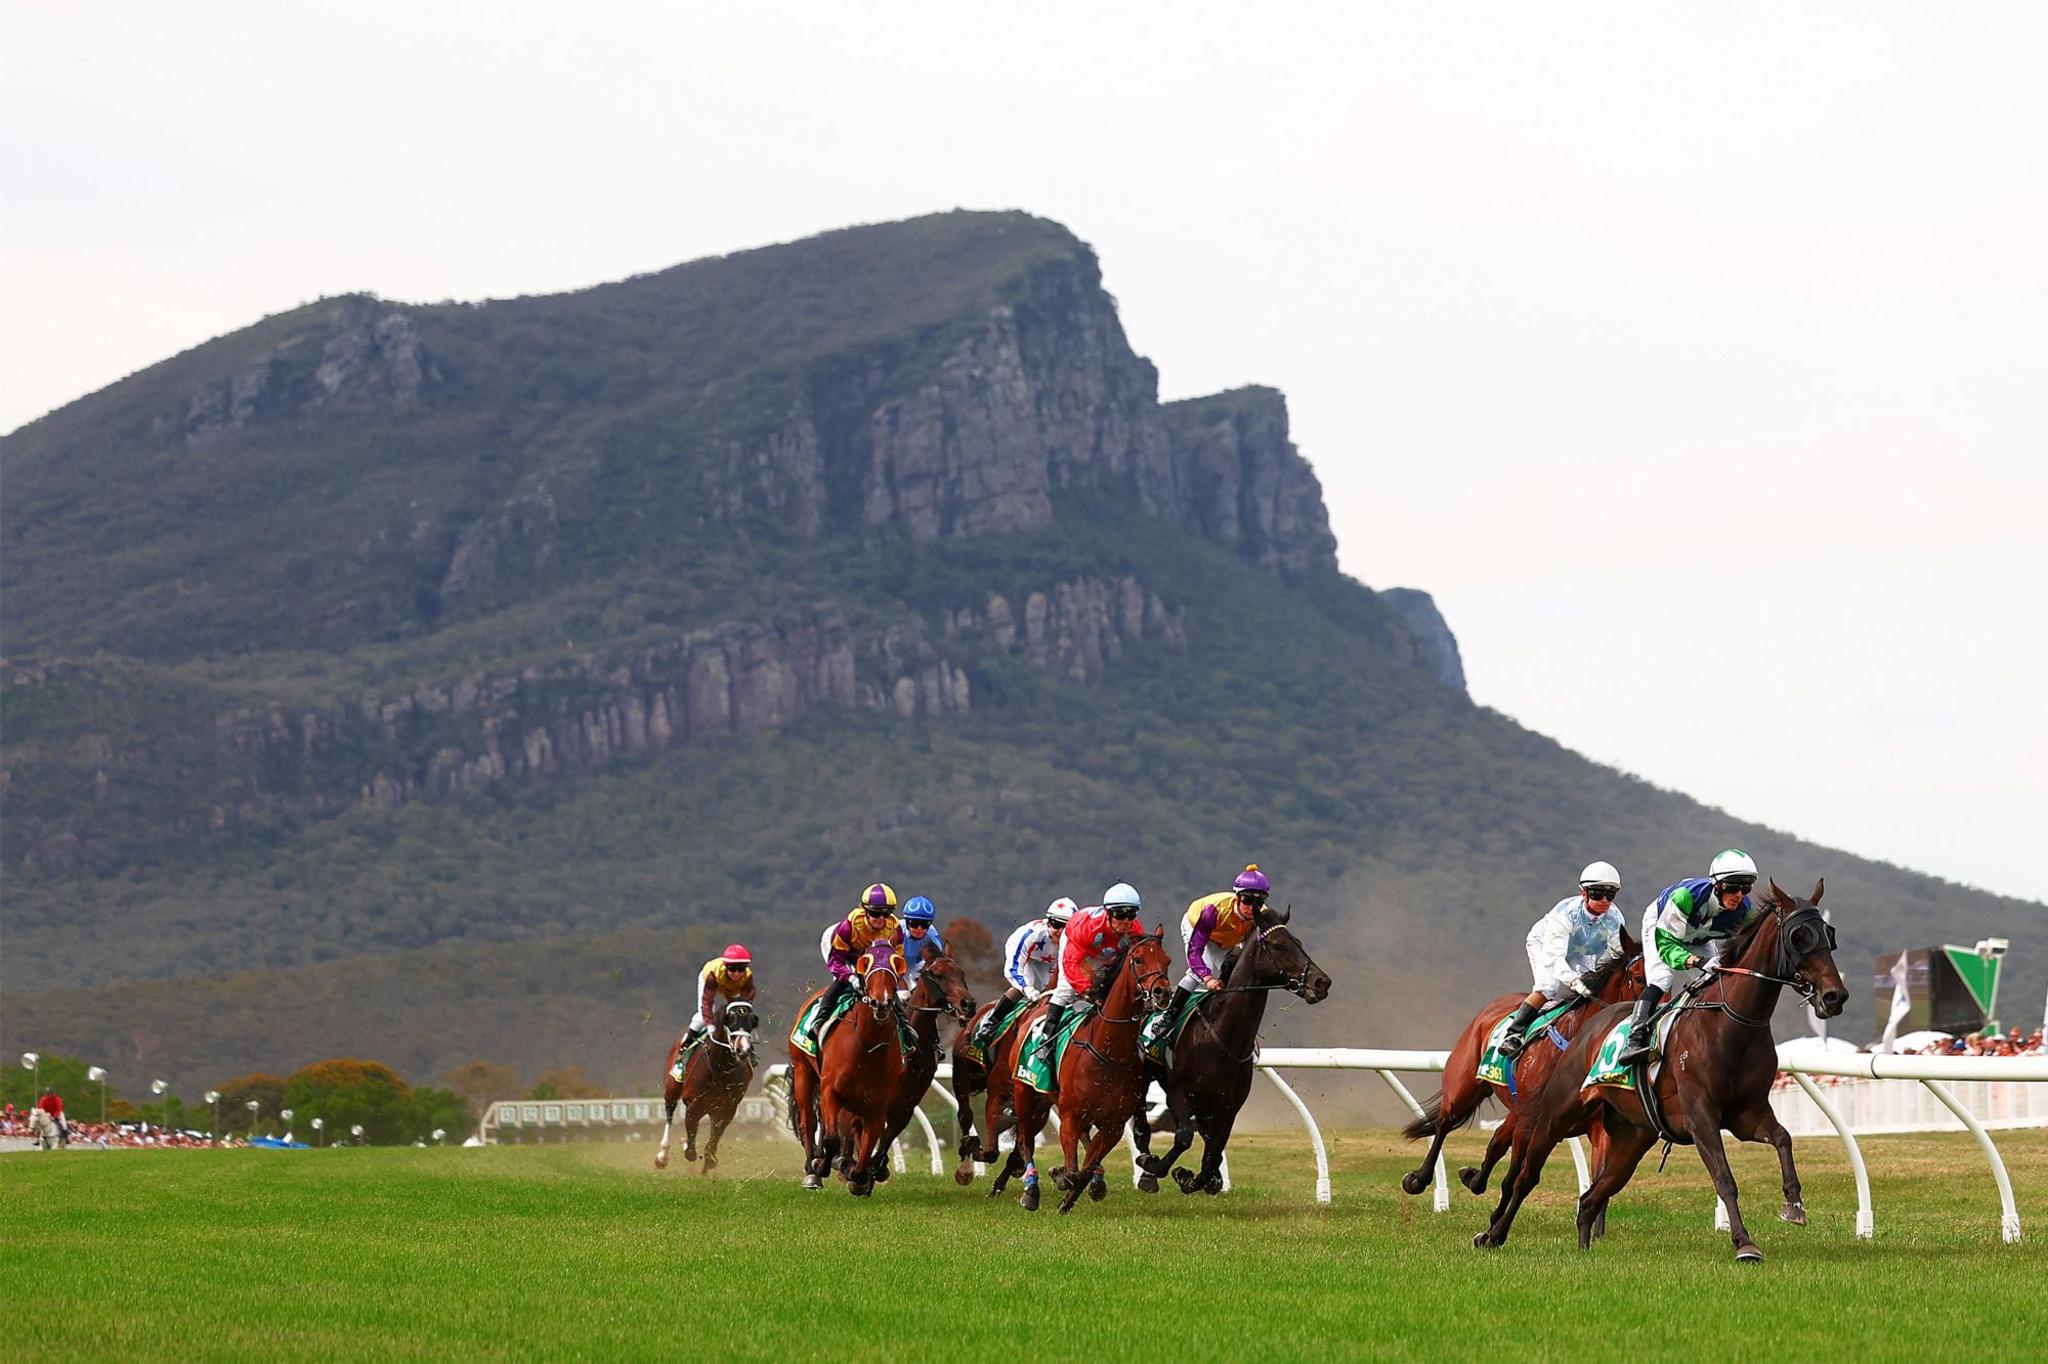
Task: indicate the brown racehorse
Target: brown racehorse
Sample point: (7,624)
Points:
(1211,1074)
(1721,1080)
(718,1074)
(860,1067)
(941,989)
(1453,1106)
(1101,1079)
(971,1077)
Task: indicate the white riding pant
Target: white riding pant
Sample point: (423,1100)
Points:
(1212,957)
(1064,994)
(1670,979)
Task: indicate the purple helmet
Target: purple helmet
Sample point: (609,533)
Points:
(1252,881)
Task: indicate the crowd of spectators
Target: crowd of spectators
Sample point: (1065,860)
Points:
(14,1122)
(2013,1043)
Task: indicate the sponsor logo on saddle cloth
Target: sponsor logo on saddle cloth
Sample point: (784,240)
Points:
(1033,1070)
(1160,1033)
(1495,1069)
(1607,1071)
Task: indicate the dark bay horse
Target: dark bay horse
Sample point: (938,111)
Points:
(1718,1073)
(1211,1072)
(1463,1091)
(1101,1079)
(860,1067)
(971,1077)
(941,989)
(718,1075)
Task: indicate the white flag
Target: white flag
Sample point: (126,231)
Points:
(1902,1004)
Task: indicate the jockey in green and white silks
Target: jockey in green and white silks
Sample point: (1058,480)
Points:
(1580,934)
(1683,931)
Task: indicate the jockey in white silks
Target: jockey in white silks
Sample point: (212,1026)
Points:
(1579,935)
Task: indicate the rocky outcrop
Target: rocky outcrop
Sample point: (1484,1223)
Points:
(378,361)
(1436,647)
(1078,629)
(1241,482)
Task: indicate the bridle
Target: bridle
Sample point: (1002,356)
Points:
(1296,984)
(1792,929)
(925,981)
(1147,985)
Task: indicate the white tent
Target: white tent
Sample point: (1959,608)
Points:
(1814,1046)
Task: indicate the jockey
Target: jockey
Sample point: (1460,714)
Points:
(873,920)
(919,937)
(730,973)
(1683,930)
(1577,936)
(1029,959)
(53,1104)
(1212,926)
(1091,936)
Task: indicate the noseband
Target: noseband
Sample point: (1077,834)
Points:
(1800,926)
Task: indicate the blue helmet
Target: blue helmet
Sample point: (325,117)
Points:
(919,911)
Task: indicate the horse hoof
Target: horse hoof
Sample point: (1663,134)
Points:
(689,1153)
(1148,1184)
(1185,1178)
(1748,1255)
(1029,1200)
(661,1160)
(1213,1187)
(710,1164)
(1484,1241)
(1795,1213)
(1469,1177)
(1414,1182)
(882,1173)
(1151,1164)
(1098,1189)
(813,1183)
(964,1175)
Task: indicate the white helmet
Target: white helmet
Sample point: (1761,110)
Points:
(1122,893)
(1600,874)
(1060,910)
(1732,862)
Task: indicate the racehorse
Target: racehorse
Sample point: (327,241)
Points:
(841,1110)
(1720,1064)
(46,1131)
(718,1074)
(1101,1079)
(971,1077)
(1211,1071)
(1463,1091)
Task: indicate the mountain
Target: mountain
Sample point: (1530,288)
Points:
(443,681)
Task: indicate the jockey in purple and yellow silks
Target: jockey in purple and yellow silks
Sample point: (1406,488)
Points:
(872,920)
(1212,926)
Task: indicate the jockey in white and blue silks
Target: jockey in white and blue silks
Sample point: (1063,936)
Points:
(1683,930)
(1030,958)
(1580,934)
(919,938)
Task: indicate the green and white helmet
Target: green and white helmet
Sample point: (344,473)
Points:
(1732,862)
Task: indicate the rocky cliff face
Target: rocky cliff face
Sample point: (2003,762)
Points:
(1436,647)
(1240,481)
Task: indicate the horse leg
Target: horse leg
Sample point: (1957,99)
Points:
(693,1114)
(1069,1174)
(1617,1167)
(668,1119)
(1706,1135)
(1030,1122)
(1181,1109)
(1452,1110)
(1761,1125)
(1496,1146)
(1209,1179)
(1099,1142)
(963,1105)
(1532,1148)
(718,1125)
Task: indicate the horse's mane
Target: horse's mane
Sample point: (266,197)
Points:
(1105,974)
(1739,941)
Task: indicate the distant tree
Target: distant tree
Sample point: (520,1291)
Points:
(975,948)
(65,1074)
(567,1083)
(348,1091)
(267,1090)
(442,1108)
(484,1082)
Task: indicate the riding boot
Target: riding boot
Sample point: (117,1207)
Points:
(825,1005)
(1518,1030)
(1055,1014)
(1159,1024)
(1640,1043)
(985,1031)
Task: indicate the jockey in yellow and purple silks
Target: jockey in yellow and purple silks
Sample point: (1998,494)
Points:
(1212,926)
(872,920)
(730,973)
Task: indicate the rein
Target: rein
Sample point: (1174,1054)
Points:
(1805,991)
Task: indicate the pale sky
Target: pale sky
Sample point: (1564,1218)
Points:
(1694,357)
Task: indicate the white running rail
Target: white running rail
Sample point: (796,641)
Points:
(1935,1073)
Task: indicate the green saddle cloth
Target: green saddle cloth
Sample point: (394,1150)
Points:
(1606,1068)
(1157,1038)
(1036,1071)
(800,1035)
(1493,1067)
(1003,1025)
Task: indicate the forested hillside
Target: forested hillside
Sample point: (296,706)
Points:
(444,682)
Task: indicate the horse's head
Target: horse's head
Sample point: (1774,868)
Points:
(1279,959)
(942,987)
(1622,978)
(881,976)
(1150,969)
(740,1023)
(1806,949)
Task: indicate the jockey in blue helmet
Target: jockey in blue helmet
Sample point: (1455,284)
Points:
(919,937)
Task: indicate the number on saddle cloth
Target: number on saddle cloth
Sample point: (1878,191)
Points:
(1162,1032)
(1607,1070)
(1038,1070)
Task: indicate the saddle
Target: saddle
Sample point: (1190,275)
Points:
(800,1035)
(1162,1032)
(1007,1021)
(1038,1071)
(1495,1069)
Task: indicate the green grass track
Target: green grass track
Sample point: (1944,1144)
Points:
(583,1250)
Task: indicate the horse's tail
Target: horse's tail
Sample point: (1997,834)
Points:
(1432,1114)
(789,1087)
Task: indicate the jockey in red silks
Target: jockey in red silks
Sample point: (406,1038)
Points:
(872,920)
(53,1105)
(730,973)
(1091,938)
